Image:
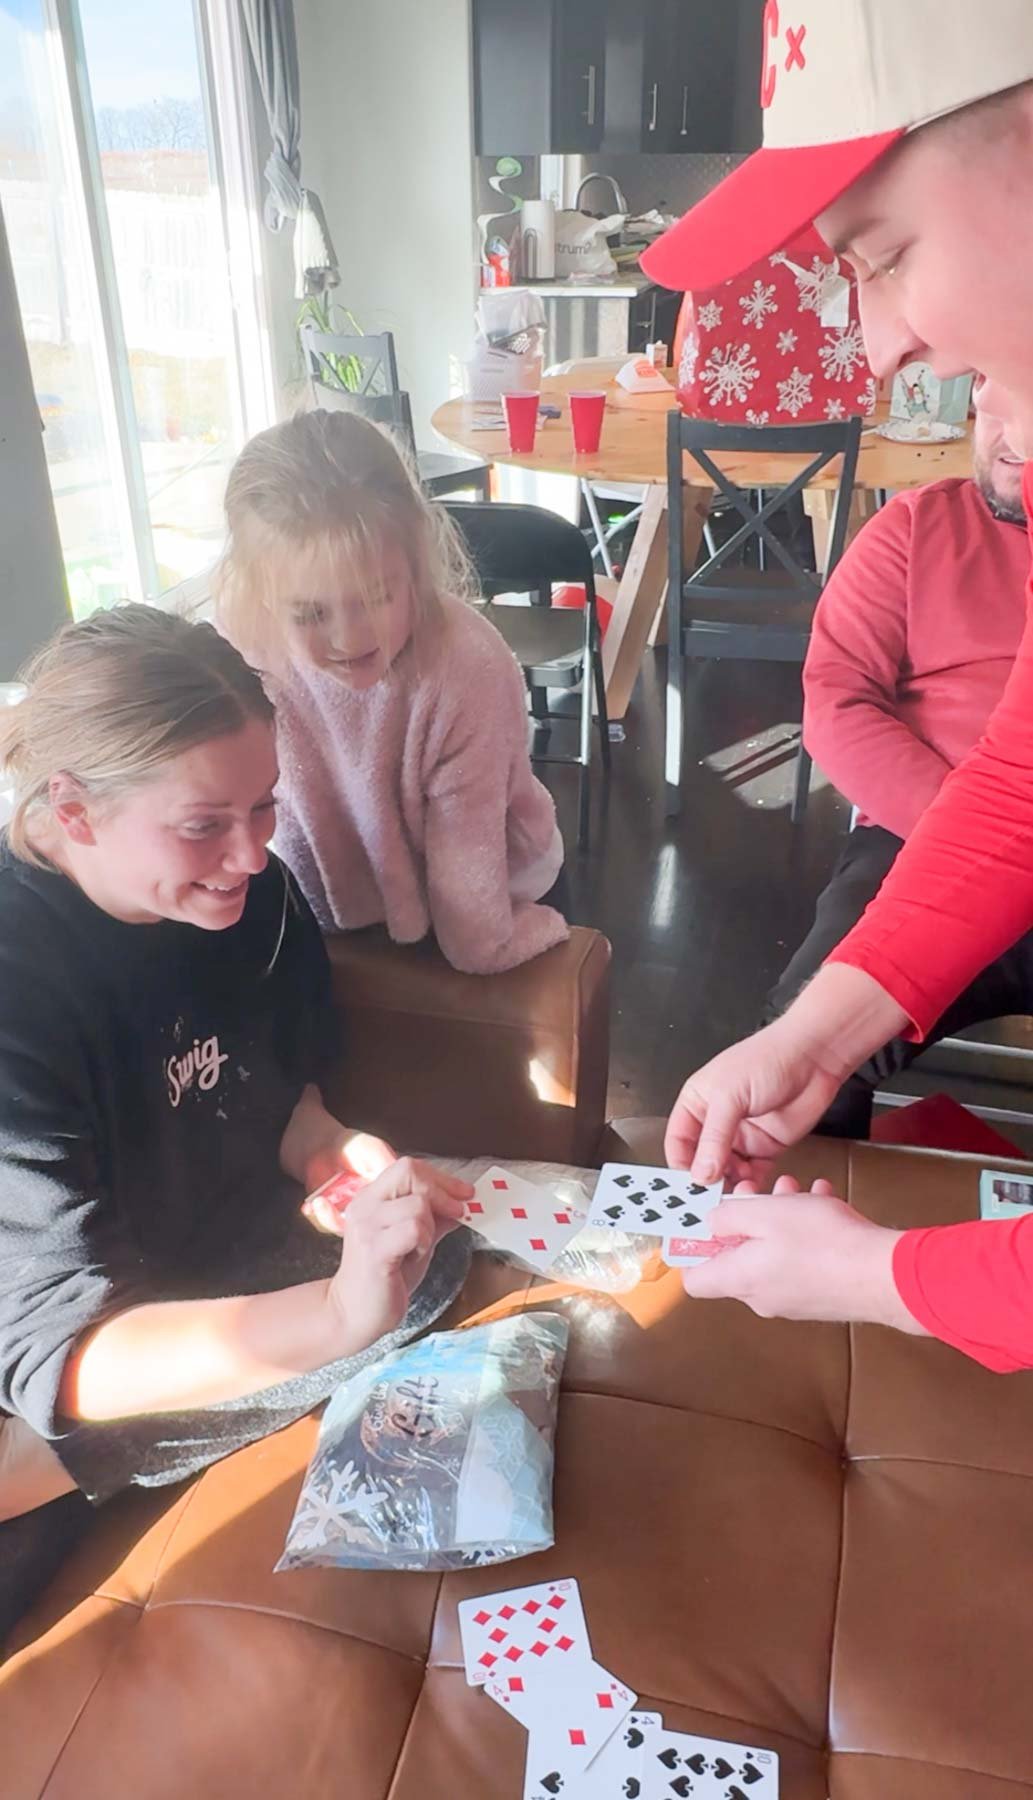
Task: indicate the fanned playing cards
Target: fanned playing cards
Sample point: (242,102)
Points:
(528,1648)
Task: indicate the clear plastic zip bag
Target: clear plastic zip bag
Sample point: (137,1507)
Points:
(438,1457)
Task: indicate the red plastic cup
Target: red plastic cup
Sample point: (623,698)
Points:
(586,418)
(521,421)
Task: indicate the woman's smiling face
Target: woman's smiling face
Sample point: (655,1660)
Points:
(182,845)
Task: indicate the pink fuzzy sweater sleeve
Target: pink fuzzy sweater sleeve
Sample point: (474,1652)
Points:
(480,791)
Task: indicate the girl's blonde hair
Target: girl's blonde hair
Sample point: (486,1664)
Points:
(111,700)
(336,485)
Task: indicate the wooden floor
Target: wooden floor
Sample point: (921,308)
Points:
(703,911)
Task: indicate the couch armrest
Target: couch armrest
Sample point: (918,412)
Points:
(512,1065)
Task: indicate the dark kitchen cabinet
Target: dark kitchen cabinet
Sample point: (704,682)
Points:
(653,317)
(661,100)
(683,76)
(539,76)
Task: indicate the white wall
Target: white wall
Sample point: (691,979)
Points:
(386,140)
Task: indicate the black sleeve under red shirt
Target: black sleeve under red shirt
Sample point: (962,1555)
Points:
(959,894)
(147,1075)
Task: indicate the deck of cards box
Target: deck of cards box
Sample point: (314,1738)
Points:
(529,1650)
(1005,1195)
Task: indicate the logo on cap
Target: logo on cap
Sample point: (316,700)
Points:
(796,57)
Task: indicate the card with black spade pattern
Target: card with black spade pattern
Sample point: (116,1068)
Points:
(680,1766)
(615,1774)
(657,1202)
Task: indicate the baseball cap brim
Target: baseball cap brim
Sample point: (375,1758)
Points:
(757,209)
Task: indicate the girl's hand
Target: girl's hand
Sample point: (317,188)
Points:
(389,1233)
(354,1152)
(802,1256)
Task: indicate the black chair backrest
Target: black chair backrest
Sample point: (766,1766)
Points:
(815,445)
(392,410)
(355,364)
(515,549)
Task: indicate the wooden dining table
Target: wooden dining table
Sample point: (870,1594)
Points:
(633,452)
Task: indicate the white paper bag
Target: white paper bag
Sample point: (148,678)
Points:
(581,247)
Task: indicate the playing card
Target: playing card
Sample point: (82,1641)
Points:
(517,1216)
(1004,1196)
(614,1774)
(573,1708)
(679,1766)
(326,1205)
(521,1628)
(660,1202)
(686,1252)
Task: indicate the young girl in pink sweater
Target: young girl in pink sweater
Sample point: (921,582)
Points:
(406,796)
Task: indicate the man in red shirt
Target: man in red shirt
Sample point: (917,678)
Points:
(913,642)
(905,132)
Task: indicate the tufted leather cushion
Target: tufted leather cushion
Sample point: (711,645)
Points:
(815,1538)
(510,1066)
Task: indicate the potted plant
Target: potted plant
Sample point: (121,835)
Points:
(326,315)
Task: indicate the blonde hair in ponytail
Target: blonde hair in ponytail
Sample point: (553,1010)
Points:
(329,488)
(114,698)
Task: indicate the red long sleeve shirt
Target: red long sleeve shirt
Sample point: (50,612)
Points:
(959,894)
(912,644)
(961,891)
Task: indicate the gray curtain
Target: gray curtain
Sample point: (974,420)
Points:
(274,52)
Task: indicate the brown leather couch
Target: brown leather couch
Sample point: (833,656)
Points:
(511,1065)
(810,1537)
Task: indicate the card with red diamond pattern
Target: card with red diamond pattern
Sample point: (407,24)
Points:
(523,1627)
(573,1707)
(522,1218)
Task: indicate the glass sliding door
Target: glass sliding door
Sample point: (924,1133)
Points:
(118,101)
(170,266)
(41,197)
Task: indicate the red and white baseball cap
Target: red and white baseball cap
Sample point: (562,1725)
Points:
(842,82)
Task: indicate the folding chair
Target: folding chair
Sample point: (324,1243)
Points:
(343,367)
(524,549)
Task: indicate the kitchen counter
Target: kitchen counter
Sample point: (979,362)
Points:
(612,315)
(628,284)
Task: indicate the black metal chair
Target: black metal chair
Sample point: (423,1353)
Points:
(752,615)
(524,550)
(392,410)
(345,368)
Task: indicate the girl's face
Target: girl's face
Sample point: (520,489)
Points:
(183,845)
(351,628)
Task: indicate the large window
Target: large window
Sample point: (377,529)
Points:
(124,189)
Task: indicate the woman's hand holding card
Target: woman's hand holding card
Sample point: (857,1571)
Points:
(389,1233)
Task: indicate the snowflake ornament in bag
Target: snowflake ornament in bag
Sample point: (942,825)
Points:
(780,345)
